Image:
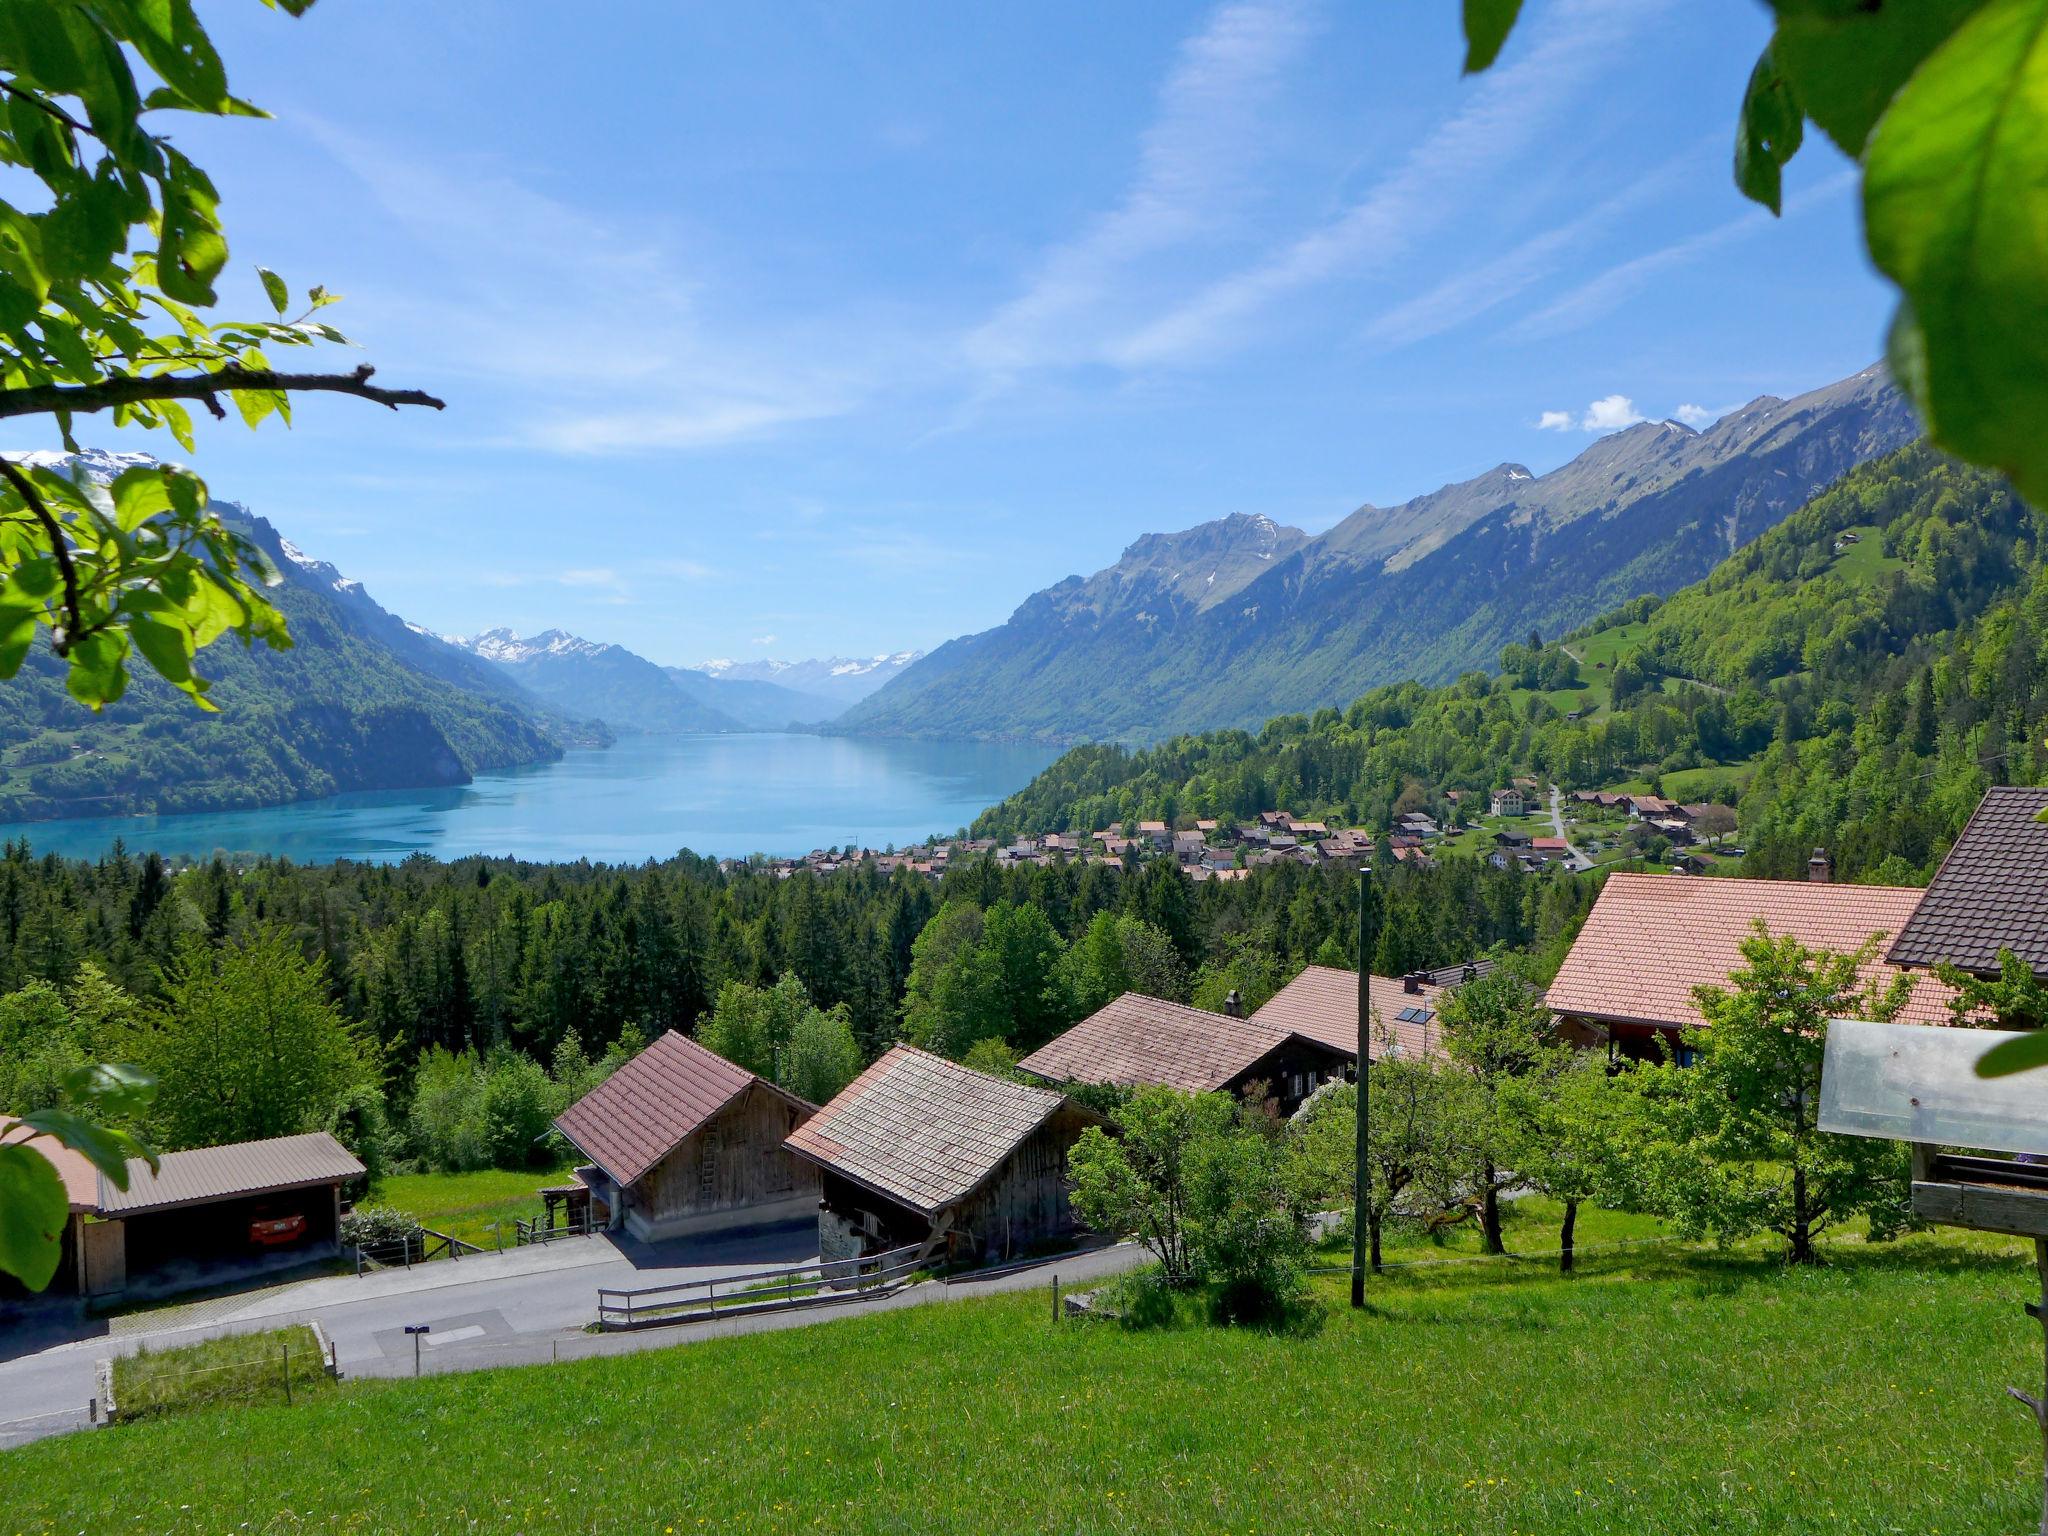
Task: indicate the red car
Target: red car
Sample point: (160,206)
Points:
(272,1228)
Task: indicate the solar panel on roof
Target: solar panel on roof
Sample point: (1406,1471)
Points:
(1414,1016)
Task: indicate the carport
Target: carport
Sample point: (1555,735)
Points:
(190,1222)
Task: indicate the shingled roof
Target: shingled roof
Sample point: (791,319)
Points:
(1650,939)
(922,1130)
(1991,892)
(1322,1004)
(1147,1040)
(655,1102)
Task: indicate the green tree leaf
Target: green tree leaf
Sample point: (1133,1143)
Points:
(2010,1056)
(1768,134)
(33,1211)
(1487,25)
(1848,58)
(1955,203)
(280,296)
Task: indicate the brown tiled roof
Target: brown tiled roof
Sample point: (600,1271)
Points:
(651,1105)
(922,1130)
(1991,892)
(1138,1039)
(81,1179)
(1322,1004)
(1650,939)
(223,1173)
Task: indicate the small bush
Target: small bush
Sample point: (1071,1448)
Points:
(372,1226)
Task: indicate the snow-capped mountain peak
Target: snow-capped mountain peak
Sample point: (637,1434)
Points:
(502,644)
(101,464)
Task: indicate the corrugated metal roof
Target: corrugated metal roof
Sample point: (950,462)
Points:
(1991,892)
(81,1179)
(1322,1003)
(1651,939)
(925,1131)
(654,1103)
(1138,1039)
(223,1173)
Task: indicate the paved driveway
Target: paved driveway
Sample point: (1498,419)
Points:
(535,1296)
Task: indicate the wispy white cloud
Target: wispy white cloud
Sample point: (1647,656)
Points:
(1194,164)
(1554,421)
(1504,112)
(571,315)
(764,639)
(1608,290)
(1696,415)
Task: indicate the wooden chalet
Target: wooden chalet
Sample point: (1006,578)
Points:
(1990,894)
(1321,1004)
(921,1151)
(1146,1040)
(1650,940)
(682,1141)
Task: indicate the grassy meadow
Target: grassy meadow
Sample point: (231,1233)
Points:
(1661,1389)
(466,1205)
(240,1369)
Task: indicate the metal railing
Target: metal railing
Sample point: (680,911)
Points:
(415,1248)
(819,1283)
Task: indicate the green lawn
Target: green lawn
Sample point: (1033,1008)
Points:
(1666,1390)
(1864,562)
(241,1369)
(1607,647)
(465,1205)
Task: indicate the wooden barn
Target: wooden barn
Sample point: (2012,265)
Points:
(919,1150)
(682,1141)
(1147,1040)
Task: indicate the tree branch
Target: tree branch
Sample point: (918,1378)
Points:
(25,488)
(131,389)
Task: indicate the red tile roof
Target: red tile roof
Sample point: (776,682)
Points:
(922,1130)
(1322,1004)
(81,1179)
(1138,1039)
(651,1105)
(1650,939)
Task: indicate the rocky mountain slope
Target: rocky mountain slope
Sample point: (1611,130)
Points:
(1235,621)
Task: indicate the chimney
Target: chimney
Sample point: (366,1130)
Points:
(1820,869)
(1412,982)
(1233,1005)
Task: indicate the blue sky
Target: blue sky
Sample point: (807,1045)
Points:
(809,328)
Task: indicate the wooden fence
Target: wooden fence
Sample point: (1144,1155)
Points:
(418,1248)
(545,1229)
(766,1290)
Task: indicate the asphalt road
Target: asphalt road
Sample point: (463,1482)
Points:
(524,1306)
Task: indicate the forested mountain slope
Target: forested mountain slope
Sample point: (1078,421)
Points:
(362,700)
(1428,589)
(1873,662)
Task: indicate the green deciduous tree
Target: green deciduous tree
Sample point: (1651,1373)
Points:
(1495,1029)
(248,1044)
(1135,1183)
(1733,1143)
(1945,105)
(1567,1131)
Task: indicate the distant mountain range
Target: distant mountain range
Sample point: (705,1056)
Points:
(362,700)
(630,693)
(1235,621)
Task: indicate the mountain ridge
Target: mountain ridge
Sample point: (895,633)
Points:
(1427,589)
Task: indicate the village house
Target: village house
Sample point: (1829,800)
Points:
(1146,1040)
(682,1141)
(1651,939)
(1322,1004)
(1189,847)
(1157,833)
(922,1151)
(1506,802)
(202,1217)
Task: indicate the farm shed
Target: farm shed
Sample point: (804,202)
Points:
(205,1216)
(682,1141)
(1138,1039)
(921,1150)
(1651,939)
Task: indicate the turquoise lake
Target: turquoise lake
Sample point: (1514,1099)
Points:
(645,798)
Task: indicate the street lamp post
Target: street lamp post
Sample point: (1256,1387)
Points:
(1366,935)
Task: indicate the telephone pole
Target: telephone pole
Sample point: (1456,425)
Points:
(1368,934)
